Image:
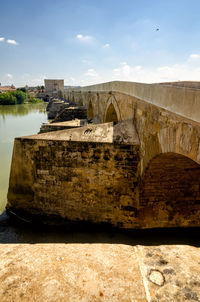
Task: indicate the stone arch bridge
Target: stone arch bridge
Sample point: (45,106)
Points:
(138,165)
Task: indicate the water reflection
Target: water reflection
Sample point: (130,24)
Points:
(15,121)
(20,110)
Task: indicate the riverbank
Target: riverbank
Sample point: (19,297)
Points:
(17,97)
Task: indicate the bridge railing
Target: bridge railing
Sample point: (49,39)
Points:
(180,100)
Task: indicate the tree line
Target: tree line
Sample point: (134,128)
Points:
(19,96)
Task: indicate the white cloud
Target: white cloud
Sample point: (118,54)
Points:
(10,76)
(166,73)
(72,80)
(91,77)
(23,79)
(91,73)
(13,42)
(106,46)
(2,39)
(31,80)
(123,71)
(81,37)
(137,68)
(126,70)
(39,80)
(194,56)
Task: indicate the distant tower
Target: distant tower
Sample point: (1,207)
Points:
(53,85)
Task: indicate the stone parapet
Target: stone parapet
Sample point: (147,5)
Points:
(180,100)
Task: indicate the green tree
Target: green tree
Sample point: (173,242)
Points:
(7,98)
(17,97)
(23,89)
(20,96)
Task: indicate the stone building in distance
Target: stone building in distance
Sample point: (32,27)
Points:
(53,85)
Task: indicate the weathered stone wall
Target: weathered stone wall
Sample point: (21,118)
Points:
(54,107)
(71,113)
(170,192)
(53,85)
(98,105)
(159,130)
(68,174)
(185,102)
(77,181)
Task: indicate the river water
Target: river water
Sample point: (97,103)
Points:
(15,121)
(20,120)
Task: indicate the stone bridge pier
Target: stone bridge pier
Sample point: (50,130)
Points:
(136,166)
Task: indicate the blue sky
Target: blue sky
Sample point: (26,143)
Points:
(93,41)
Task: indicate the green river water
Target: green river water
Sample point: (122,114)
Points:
(15,121)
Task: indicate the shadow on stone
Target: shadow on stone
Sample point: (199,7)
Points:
(13,230)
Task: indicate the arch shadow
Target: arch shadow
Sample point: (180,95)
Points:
(90,110)
(80,102)
(170,192)
(112,112)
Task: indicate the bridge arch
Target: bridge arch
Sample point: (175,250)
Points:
(80,102)
(111,115)
(112,112)
(90,110)
(170,191)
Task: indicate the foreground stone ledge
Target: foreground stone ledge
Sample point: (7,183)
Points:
(48,127)
(99,272)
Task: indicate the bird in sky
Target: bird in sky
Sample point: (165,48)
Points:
(157,29)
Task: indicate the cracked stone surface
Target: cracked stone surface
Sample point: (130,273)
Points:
(99,272)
